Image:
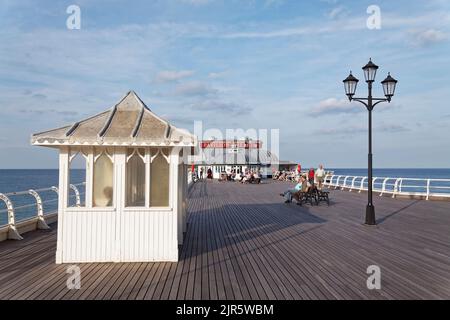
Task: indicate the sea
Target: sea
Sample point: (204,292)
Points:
(16,180)
(23,180)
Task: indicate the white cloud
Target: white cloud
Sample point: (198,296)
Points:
(197,2)
(275,34)
(217,75)
(355,129)
(194,88)
(333,106)
(429,36)
(350,23)
(336,12)
(225,108)
(343,106)
(168,76)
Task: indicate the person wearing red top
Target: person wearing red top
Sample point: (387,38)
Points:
(311,175)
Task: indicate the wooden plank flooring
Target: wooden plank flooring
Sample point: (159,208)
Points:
(242,242)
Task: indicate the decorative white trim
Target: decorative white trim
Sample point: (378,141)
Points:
(135,150)
(115,143)
(104,151)
(160,151)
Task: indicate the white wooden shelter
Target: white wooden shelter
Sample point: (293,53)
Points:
(135,199)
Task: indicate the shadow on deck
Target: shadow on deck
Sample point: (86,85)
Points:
(242,242)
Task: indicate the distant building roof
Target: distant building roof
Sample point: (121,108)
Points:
(129,123)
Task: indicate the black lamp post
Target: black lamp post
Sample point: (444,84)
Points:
(350,83)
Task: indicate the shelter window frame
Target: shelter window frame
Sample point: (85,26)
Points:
(161,155)
(75,153)
(141,155)
(107,183)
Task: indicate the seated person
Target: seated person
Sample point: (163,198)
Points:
(247,178)
(275,175)
(288,194)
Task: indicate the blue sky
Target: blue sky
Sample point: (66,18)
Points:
(248,64)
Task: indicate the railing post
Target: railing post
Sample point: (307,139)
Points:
(395,187)
(337,182)
(12,230)
(428,189)
(41,224)
(345,181)
(353,184)
(325,180)
(77,195)
(361,187)
(331,180)
(383,188)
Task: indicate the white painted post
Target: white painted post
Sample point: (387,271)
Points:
(331,181)
(147,177)
(119,163)
(89,177)
(187,178)
(325,179)
(337,182)
(77,195)
(41,224)
(428,189)
(361,187)
(345,182)
(13,234)
(395,187)
(63,192)
(353,184)
(383,188)
(173,189)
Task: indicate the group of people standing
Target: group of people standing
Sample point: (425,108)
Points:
(317,176)
(209,174)
(314,178)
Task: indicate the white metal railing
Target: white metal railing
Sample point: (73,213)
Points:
(39,217)
(394,186)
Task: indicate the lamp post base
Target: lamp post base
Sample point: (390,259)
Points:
(370,215)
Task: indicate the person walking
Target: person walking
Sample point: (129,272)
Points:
(320,176)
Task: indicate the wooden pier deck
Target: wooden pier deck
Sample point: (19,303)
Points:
(244,243)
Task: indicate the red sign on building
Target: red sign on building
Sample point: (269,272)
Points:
(230,144)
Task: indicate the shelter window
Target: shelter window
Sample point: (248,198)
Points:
(135,178)
(103,188)
(159,179)
(77,178)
